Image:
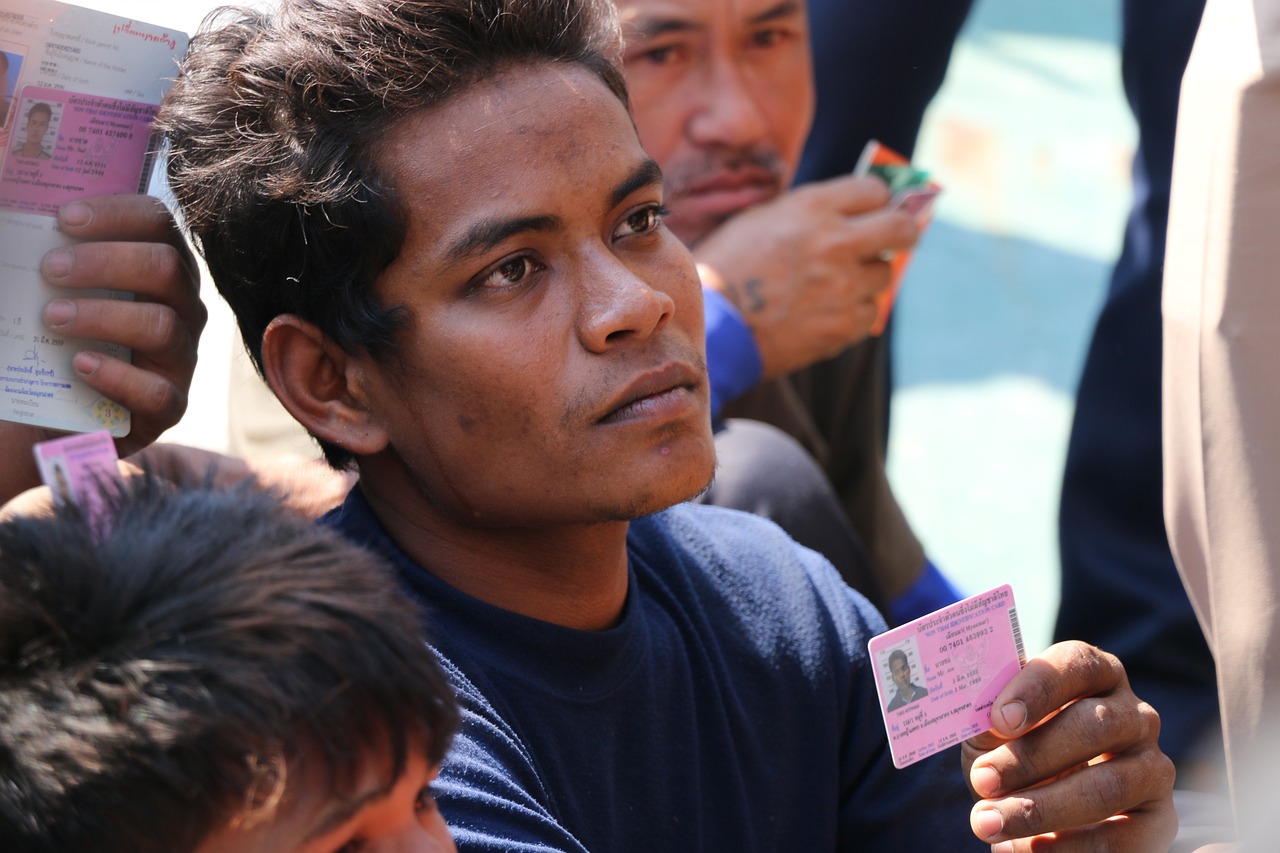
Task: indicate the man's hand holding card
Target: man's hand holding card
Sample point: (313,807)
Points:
(1060,752)
(1072,758)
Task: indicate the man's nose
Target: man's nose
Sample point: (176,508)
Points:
(728,112)
(619,305)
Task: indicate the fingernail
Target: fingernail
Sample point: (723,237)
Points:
(77,214)
(1002,847)
(59,313)
(1014,715)
(86,363)
(57,263)
(990,823)
(985,780)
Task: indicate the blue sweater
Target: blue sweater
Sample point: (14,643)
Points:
(732,709)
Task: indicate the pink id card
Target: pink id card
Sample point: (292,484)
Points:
(938,676)
(76,468)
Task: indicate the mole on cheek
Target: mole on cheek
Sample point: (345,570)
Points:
(467,424)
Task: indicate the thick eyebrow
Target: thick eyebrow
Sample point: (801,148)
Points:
(785,9)
(651,28)
(644,29)
(487,233)
(646,173)
(339,813)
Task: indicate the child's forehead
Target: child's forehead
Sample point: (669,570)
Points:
(318,809)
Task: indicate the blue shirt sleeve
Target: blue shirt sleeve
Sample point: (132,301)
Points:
(733,359)
(488,790)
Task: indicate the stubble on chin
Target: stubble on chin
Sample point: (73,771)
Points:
(657,498)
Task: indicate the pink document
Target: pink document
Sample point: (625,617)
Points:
(76,107)
(79,468)
(938,676)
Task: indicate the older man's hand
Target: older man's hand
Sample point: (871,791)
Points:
(804,270)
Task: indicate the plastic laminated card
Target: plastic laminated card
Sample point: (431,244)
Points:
(938,675)
(912,191)
(79,469)
(78,96)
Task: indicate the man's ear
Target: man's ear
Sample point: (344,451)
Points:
(319,384)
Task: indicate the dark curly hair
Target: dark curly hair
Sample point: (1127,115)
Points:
(273,129)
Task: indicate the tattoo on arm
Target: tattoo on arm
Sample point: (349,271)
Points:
(748,297)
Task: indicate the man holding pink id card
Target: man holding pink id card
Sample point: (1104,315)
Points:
(637,672)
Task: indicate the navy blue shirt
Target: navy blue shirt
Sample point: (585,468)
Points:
(731,709)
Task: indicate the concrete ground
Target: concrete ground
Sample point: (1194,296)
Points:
(1031,138)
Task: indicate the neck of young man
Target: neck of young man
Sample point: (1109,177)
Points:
(573,575)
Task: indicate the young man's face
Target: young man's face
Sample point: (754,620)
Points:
(722,93)
(552,367)
(901,675)
(374,816)
(37,127)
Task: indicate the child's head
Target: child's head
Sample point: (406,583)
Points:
(207,671)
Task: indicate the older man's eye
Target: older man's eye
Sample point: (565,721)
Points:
(665,54)
(768,38)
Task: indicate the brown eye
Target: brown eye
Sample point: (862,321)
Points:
(514,271)
(666,54)
(508,274)
(642,221)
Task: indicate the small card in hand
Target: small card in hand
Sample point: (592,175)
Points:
(77,467)
(938,676)
(914,192)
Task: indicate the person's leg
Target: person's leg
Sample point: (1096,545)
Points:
(1120,588)
(877,64)
(762,470)
(823,410)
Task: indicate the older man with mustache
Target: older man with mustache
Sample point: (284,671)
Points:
(723,96)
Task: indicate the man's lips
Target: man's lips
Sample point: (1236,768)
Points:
(724,193)
(658,394)
(736,180)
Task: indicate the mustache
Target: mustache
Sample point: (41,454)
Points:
(680,176)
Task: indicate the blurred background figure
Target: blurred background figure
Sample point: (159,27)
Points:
(1120,588)
(1221,416)
(1003,290)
